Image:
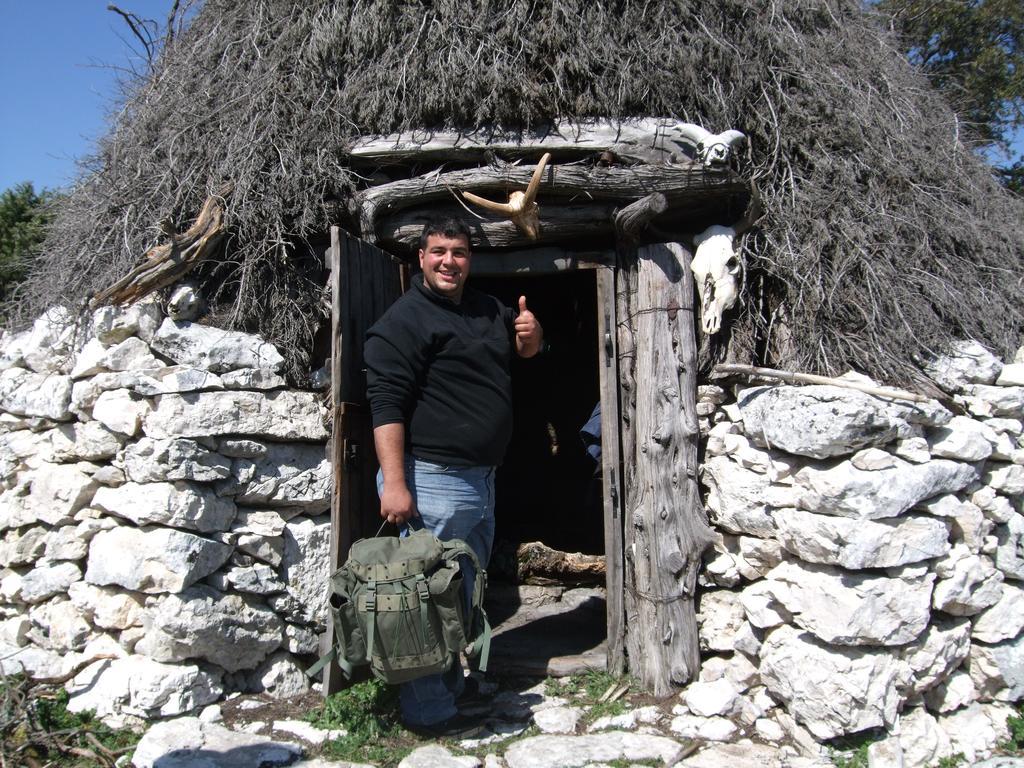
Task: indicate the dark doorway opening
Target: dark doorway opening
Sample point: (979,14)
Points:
(548,488)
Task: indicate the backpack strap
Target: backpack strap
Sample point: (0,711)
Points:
(370,606)
(481,647)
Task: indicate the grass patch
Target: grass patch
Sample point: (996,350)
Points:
(369,712)
(851,751)
(1016,725)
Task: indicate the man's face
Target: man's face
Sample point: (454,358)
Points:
(445,265)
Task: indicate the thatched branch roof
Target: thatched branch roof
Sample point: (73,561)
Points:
(884,236)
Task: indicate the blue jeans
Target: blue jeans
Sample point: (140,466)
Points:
(452,503)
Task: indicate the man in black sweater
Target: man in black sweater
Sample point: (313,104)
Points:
(439,381)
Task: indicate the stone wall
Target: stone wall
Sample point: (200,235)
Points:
(164,500)
(868,571)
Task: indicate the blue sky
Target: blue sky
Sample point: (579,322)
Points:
(57,59)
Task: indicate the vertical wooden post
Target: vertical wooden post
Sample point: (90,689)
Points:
(332,679)
(611,469)
(666,531)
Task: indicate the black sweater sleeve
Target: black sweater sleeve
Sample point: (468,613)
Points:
(393,355)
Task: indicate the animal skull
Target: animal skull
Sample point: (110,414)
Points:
(716,268)
(521,206)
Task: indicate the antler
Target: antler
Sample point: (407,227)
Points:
(521,207)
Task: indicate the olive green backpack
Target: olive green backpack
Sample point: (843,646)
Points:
(398,605)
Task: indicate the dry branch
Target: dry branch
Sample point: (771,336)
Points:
(169,262)
(808,378)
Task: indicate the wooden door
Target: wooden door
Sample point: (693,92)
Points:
(364,282)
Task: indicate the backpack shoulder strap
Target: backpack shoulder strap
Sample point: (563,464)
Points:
(481,647)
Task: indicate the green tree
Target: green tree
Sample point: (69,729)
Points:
(23,218)
(972,52)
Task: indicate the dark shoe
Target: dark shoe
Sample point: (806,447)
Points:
(458,726)
(471,695)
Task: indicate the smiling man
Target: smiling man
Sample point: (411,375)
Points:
(440,387)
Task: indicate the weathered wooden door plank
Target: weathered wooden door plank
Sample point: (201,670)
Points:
(611,468)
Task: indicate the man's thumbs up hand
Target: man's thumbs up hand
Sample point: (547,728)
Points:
(529,334)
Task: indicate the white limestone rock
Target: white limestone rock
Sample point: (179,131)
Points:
(832,690)
(913,449)
(998,670)
(969,523)
(107,607)
(1005,478)
(14,631)
(253,378)
(818,421)
(152,560)
(188,742)
(857,544)
(132,354)
(281,415)
(763,609)
(953,693)
(940,649)
(557,719)
(847,608)
(84,394)
(704,728)
(260,522)
(966,362)
(963,439)
(742,501)
(120,411)
(1002,621)
(64,543)
(757,556)
(967,584)
(59,626)
(49,346)
(180,504)
(292,475)
(845,491)
(35,661)
(22,546)
(999,401)
(996,508)
(975,731)
(241,449)
(232,631)
(720,617)
(1009,555)
(89,441)
(280,676)
(267,549)
(712,698)
(58,491)
(742,754)
(886,753)
(173,379)
(1011,375)
(306,568)
(553,751)
(152,461)
(25,393)
(436,756)
(214,349)
(256,579)
(922,739)
(46,580)
(871,459)
(112,325)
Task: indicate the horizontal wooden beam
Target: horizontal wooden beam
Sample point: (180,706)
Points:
(680,184)
(558,223)
(647,140)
